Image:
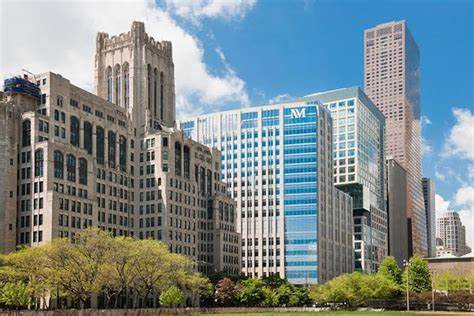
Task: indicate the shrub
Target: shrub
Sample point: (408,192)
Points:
(172,297)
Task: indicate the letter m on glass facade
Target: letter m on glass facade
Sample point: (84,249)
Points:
(298,113)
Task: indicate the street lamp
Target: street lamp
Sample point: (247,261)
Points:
(406,264)
(433,289)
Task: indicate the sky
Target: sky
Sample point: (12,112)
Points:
(241,53)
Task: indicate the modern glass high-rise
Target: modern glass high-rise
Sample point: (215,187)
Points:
(359,169)
(277,162)
(430,211)
(391,80)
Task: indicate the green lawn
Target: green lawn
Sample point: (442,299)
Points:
(346,313)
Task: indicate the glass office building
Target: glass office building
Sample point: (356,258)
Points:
(277,163)
(359,169)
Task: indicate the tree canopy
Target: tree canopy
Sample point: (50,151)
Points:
(97,263)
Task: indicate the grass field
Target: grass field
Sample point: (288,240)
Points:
(346,313)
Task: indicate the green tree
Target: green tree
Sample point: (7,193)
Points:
(300,297)
(270,297)
(354,289)
(14,295)
(390,270)
(77,268)
(274,281)
(251,293)
(419,276)
(171,297)
(285,293)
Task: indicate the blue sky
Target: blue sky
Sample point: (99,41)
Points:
(295,48)
(229,54)
(292,48)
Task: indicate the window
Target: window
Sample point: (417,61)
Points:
(74,131)
(39,163)
(155,92)
(100,145)
(149,85)
(88,137)
(161,94)
(187,162)
(126,86)
(123,153)
(111,156)
(26,133)
(82,171)
(71,167)
(109,84)
(177,158)
(58,164)
(117,84)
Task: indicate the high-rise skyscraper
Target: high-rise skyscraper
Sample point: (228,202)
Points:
(391,77)
(277,162)
(358,128)
(452,234)
(430,211)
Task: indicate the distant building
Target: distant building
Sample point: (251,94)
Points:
(391,80)
(430,211)
(398,228)
(452,234)
(461,266)
(71,159)
(277,163)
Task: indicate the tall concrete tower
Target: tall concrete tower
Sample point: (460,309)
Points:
(136,72)
(391,77)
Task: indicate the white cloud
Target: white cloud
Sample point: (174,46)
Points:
(64,42)
(441,205)
(440,176)
(460,141)
(280,98)
(196,10)
(425,121)
(426,148)
(465,197)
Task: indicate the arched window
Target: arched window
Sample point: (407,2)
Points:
(123,153)
(111,156)
(126,86)
(88,137)
(58,164)
(177,158)
(155,93)
(187,162)
(82,171)
(39,159)
(100,145)
(117,84)
(162,96)
(74,131)
(71,167)
(26,133)
(149,85)
(109,83)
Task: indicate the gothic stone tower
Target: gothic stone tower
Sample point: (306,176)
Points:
(136,72)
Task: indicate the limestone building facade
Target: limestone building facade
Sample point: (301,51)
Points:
(72,159)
